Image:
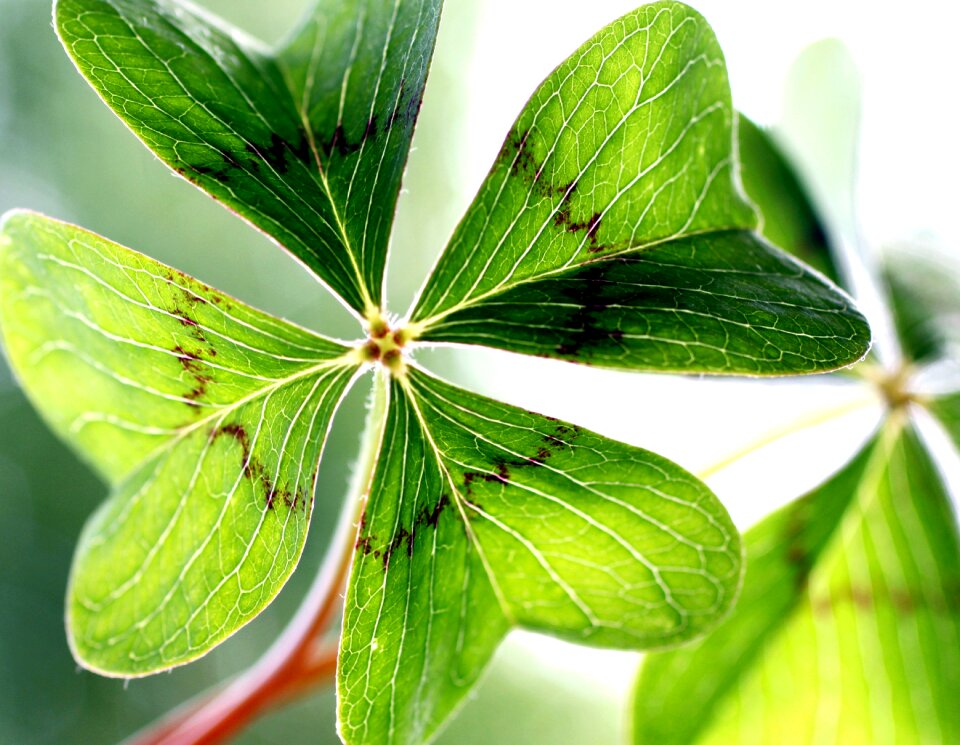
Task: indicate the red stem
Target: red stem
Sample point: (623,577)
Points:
(298,661)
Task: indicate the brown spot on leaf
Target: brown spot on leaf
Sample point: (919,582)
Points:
(279,153)
(194,367)
(364,544)
(401,537)
(469,477)
(517,154)
(588,316)
(190,322)
(218,173)
(185,320)
(428,516)
(254,470)
(563,219)
(903,600)
(340,144)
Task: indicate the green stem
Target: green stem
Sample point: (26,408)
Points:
(771,436)
(300,659)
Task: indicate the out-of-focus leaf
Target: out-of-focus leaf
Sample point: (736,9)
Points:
(307,142)
(206,416)
(820,132)
(789,218)
(611,229)
(482,516)
(947,410)
(924,290)
(848,625)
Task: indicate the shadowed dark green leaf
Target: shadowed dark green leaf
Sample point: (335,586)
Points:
(207,418)
(307,142)
(848,625)
(725,303)
(789,218)
(482,516)
(624,160)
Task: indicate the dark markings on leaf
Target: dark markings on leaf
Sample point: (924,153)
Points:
(372,350)
(198,391)
(229,164)
(395,114)
(191,361)
(184,319)
(587,322)
(391,356)
(188,360)
(367,543)
(563,219)
(193,366)
(256,473)
(563,435)
(401,537)
(219,174)
(432,517)
(277,153)
(338,141)
(411,110)
(904,600)
(187,320)
(406,109)
(587,329)
(517,154)
(183,283)
(502,477)
(426,517)
(363,539)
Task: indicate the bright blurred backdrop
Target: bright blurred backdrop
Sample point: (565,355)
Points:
(62,152)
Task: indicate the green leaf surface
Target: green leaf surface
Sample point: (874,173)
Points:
(847,628)
(724,303)
(482,516)
(611,213)
(626,144)
(206,416)
(947,410)
(307,142)
(789,218)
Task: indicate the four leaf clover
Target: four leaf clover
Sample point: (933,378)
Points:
(611,230)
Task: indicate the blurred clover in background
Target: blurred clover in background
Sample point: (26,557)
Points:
(848,624)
